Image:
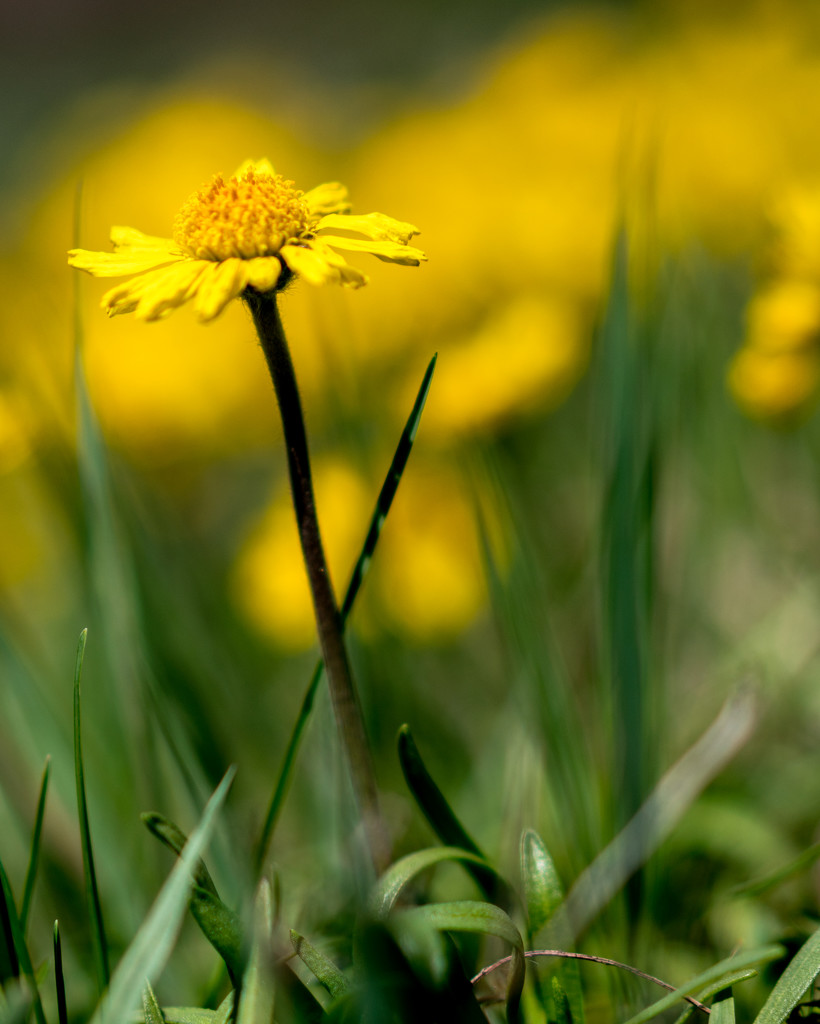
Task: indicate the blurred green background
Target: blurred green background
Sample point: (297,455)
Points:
(610,518)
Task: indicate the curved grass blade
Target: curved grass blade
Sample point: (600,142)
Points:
(19,946)
(484,919)
(399,874)
(719,972)
(146,956)
(59,977)
(322,967)
(91,891)
(34,856)
(443,820)
(218,923)
(760,885)
(723,983)
(383,503)
(793,982)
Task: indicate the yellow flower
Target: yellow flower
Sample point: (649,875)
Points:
(253,230)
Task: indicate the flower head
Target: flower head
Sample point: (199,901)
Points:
(252,230)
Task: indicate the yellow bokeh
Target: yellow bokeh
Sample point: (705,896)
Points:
(774,385)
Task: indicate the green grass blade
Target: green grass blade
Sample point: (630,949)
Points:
(443,820)
(391,883)
(723,983)
(321,966)
(218,923)
(91,890)
(256,1001)
(59,977)
(9,964)
(377,520)
(543,891)
(20,947)
(34,856)
(758,886)
(146,956)
(151,1010)
(794,981)
(723,1010)
(719,972)
(484,919)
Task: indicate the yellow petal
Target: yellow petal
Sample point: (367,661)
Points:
(263,272)
(218,285)
(263,166)
(118,264)
(174,288)
(125,297)
(320,265)
(328,198)
(373,225)
(391,252)
(130,238)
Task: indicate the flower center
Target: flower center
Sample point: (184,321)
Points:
(247,216)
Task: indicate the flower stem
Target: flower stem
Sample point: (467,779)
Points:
(344,698)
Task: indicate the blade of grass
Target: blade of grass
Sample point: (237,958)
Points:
(321,966)
(760,885)
(389,886)
(444,821)
(9,965)
(151,1010)
(34,856)
(383,503)
(59,978)
(793,982)
(257,998)
(92,894)
(20,947)
(146,956)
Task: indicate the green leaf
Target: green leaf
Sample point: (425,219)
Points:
(443,820)
(219,924)
(723,983)
(19,946)
(92,894)
(377,520)
(34,856)
(321,967)
(563,1013)
(723,1009)
(484,919)
(543,892)
(793,982)
(59,979)
(256,1001)
(720,972)
(146,956)
(399,874)
(151,1010)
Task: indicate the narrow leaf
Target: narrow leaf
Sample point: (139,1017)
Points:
(92,894)
(760,885)
(793,982)
(218,923)
(321,966)
(9,965)
(256,1001)
(377,520)
(19,946)
(443,820)
(399,874)
(59,978)
(151,1010)
(146,956)
(724,983)
(723,1010)
(34,856)
(719,972)
(543,891)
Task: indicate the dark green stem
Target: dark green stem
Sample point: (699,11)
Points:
(343,695)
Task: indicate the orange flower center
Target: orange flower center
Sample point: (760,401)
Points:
(247,216)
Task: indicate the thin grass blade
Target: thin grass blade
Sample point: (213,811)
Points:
(377,520)
(9,964)
(20,948)
(34,856)
(720,972)
(793,982)
(146,956)
(758,886)
(151,1010)
(724,983)
(321,966)
(59,977)
(256,1001)
(91,890)
(391,883)
(723,1010)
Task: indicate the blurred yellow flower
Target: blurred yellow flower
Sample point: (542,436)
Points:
(253,230)
(784,316)
(774,385)
(427,580)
